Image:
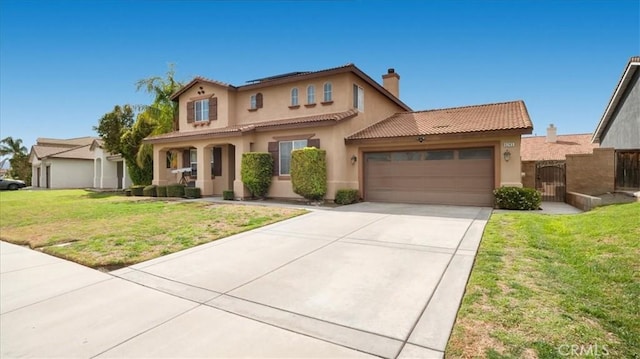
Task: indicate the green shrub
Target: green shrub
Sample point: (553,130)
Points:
(161,191)
(127,192)
(256,172)
(137,190)
(175,190)
(517,198)
(346,196)
(192,192)
(228,195)
(309,173)
(150,191)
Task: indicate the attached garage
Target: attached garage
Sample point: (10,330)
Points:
(451,176)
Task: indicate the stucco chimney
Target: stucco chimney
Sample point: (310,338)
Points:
(391,82)
(551,134)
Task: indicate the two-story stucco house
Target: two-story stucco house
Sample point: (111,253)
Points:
(375,143)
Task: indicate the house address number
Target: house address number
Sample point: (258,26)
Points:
(509,144)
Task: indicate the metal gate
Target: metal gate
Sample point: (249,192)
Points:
(550,180)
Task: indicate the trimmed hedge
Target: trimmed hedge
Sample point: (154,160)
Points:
(346,196)
(150,191)
(127,192)
(192,192)
(137,190)
(175,190)
(161,191)
(256,172)
(228,195)
(309,173)
(517,198)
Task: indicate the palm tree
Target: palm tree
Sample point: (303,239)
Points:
(160,114)
(9,146)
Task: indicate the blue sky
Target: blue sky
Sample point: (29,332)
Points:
(63,64)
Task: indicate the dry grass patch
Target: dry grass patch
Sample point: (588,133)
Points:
(109,231)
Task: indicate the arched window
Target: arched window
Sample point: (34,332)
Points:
(328,92)
(294,96)
(311,94)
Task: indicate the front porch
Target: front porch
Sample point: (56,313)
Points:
(212,166)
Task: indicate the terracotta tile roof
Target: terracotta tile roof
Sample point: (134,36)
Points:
(458,120)
(618,93)
(315,120)
(276,80)
(537,149)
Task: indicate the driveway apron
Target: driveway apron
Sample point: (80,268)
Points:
(362,280)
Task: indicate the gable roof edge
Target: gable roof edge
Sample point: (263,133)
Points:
(621,87)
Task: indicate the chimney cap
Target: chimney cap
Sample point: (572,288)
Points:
(391,70)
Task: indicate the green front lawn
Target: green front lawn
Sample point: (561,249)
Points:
(554,286)
(107,230)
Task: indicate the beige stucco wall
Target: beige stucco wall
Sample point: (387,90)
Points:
(211,90)
(506,173)
(66,173)
(233,108)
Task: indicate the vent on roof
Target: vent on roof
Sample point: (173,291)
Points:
(288,74)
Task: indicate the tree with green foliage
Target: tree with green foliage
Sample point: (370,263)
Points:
(113,125)
(124,136)
(19,161)
(158,116)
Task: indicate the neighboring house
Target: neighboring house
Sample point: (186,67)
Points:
(544,158)
(75,163)
(374,142)
(619,127)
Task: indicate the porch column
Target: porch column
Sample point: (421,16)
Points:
(204,170)
(159,161)
(126,179)
(243,145)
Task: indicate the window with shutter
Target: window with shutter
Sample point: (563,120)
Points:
(213,109)
(201,110)
(273,150)
(190,112)
(285,149)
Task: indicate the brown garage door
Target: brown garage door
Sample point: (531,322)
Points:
(458,177)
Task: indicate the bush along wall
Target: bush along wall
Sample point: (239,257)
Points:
(192,192)
(256,172)
(161,191)
(309,173)
(228,195)
(137,190)
(175,190)
(517,198)
(150,191)
(346,196)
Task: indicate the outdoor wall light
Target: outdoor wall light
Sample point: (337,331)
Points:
(354,159)
(507,155)
(420,139)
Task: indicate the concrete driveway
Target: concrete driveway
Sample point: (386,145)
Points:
(356,281)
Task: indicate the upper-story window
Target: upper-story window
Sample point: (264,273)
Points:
(202,110)
(311,94)
(358,97)
(328,92)
(294,96)
(255,101)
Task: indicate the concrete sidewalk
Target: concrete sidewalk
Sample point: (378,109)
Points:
(357,281)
